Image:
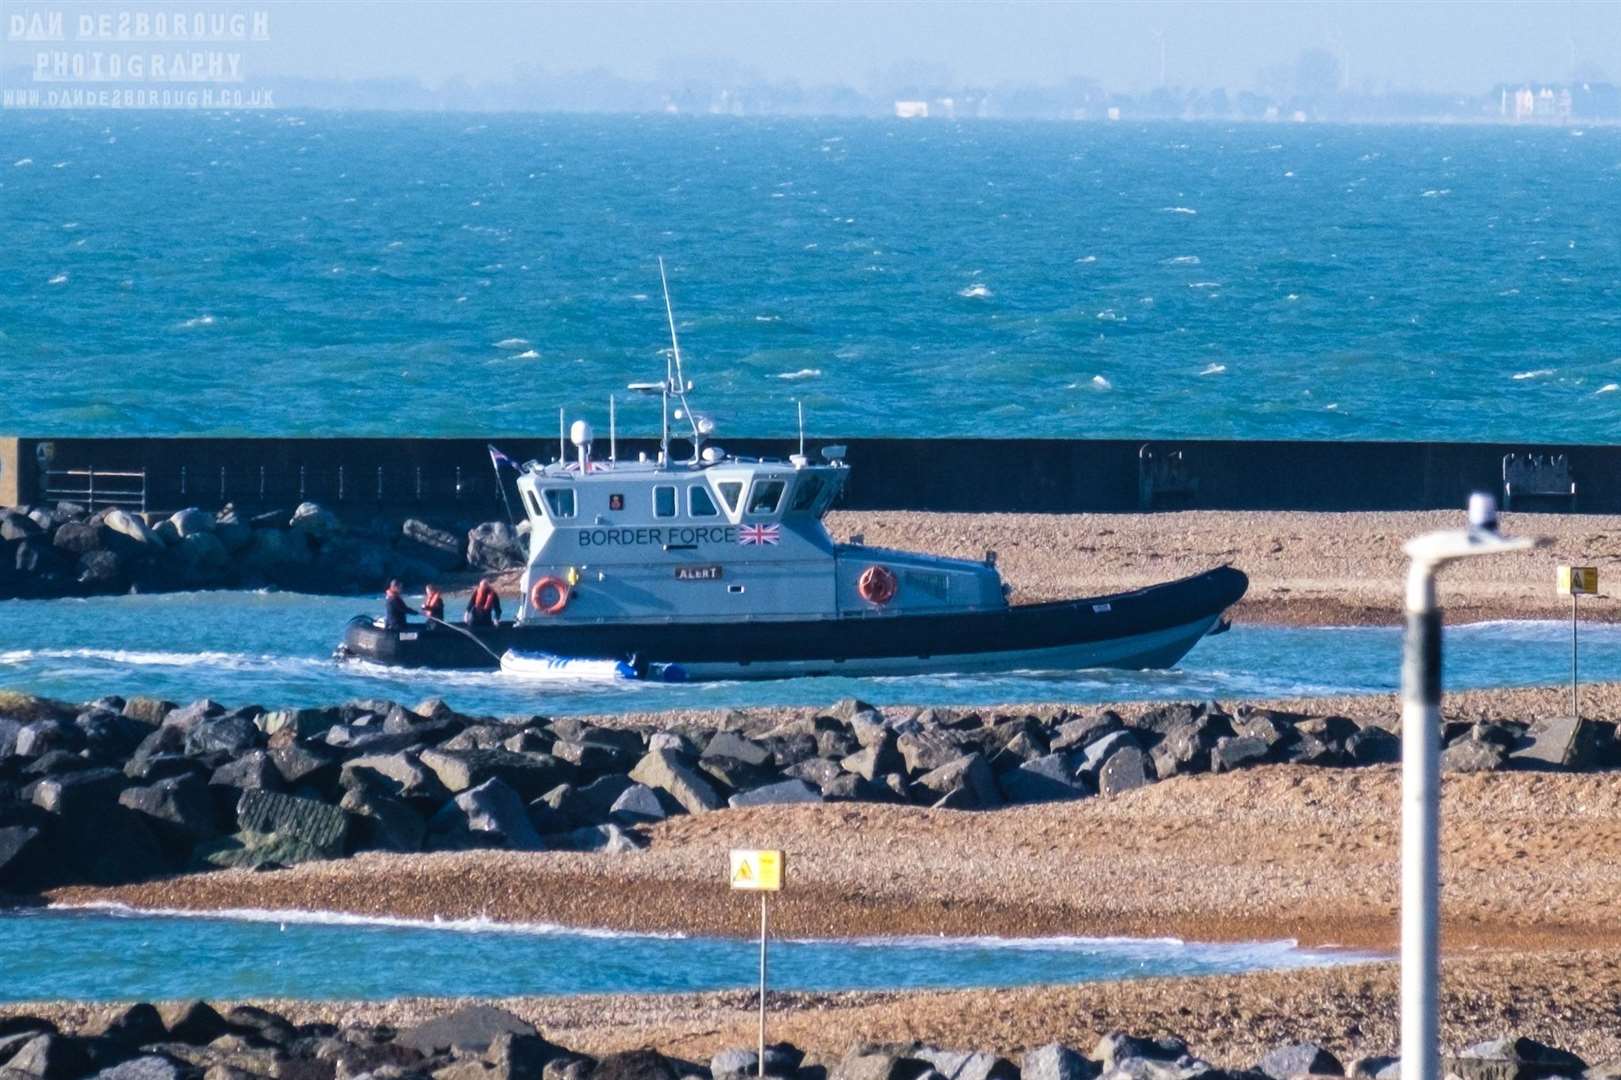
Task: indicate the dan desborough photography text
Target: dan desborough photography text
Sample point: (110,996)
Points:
(135,58)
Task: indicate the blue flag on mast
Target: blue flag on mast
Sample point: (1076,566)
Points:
(498,459)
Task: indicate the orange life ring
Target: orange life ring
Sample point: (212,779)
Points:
(537,595)
(877,585)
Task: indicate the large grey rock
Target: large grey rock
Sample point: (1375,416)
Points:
(132,529)
(1076,732)
(303,723)
(1237,751)
(315,521)
(879,1063)
(1271,727)
(191,522)
(80,537)
(1468,755)
(967,1064)
(253,771)
(784,791)
(472,1028)
(878,757)
(729,744)
(233,735)
(530,775)
(324,828)
(968,782)
(637,805)
(1373,745)
(1185,747)
(194,1022)
(436,547)
(592,755)
(781,1059)
(493,546)
(17,845)
(178,808)
(1300,1059)
(78,792)
(50,1057)
(411,778)
(666,772)
(1048,778)
(1119,1046)
(633,1065)
(924,751)
(146,1067)
(1528,1059)
(1554,743)
(1102,748)
(1056,1061)
(494,809)
(606,839)
(1126,769)
(383,823)
(134,1025)
(308,765)
(101,572)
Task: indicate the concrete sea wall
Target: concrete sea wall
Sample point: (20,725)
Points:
(453,478)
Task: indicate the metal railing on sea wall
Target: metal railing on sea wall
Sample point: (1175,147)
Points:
(453,477)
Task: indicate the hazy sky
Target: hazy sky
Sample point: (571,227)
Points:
(1461,45)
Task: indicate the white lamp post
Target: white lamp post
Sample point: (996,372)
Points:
(1421,777)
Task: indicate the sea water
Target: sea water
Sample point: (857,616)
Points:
(330,273)
(99,955)
(275,649)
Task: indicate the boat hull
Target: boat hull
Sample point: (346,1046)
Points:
(1147,628)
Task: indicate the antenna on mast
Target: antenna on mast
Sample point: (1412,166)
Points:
(675,381)
(613,440)
(801,404)
(562,441)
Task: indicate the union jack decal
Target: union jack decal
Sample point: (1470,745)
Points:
(759,534)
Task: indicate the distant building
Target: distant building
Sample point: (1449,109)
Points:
(911,110)
(1533,102)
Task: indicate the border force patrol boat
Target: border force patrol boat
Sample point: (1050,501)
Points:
(720,567)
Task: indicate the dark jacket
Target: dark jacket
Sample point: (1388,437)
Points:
(395,611)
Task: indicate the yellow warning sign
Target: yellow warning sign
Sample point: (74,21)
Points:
(1578,581)
(757,870)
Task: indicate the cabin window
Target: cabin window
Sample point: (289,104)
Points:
(765,496)
(699,504)
(534,504)
(664,503)
(806,491)
(730,492)
(560,501)
(616,501)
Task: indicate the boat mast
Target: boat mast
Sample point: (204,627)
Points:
(675,380)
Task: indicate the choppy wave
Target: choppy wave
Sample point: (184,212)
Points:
(802,373)
(1539,373)
(1275,953)
(480,924)
(1214,369)
(1178,210)
(527,354)
(512,343)
(976,291)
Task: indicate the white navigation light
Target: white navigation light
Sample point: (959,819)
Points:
(579,433)
(706,426)
(713,454)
